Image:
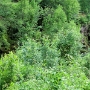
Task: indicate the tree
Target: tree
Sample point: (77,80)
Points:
(54,20)
(71,8)
(19,20)
(85,11)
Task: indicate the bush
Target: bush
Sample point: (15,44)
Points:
(4,43)
(17,20)
(86,64)
(67,40)
(11,70)
(30,52)
(54,20)
(71,9)
(33,52)
(57,78)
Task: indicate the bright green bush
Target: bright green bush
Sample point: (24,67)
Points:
(50,54)
(65,80)
(30,52)
(10,70)
(33,52)
(67,40)
(17,75)
(71,8)
(85,12)
(4,44)
(57,78)
(66,36)
(86,64)
(54,20)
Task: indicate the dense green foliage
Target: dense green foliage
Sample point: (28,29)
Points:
(41,44)
(85,11)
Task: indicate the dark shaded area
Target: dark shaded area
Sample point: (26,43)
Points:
(12,33)
(13,37)
(89,35)
(85,31)
(39,23)
(12,41)
(15,0)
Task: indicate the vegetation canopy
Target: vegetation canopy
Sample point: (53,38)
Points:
(44,45)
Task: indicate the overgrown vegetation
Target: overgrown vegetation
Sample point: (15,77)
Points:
(41,46)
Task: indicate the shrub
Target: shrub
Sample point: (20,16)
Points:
(71,8)
(10,69)
(17,20)
(4,43)
(57,78)
(68,40)
(86,64)
(49,52)
(30,52)
(54,20)
(33,52)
